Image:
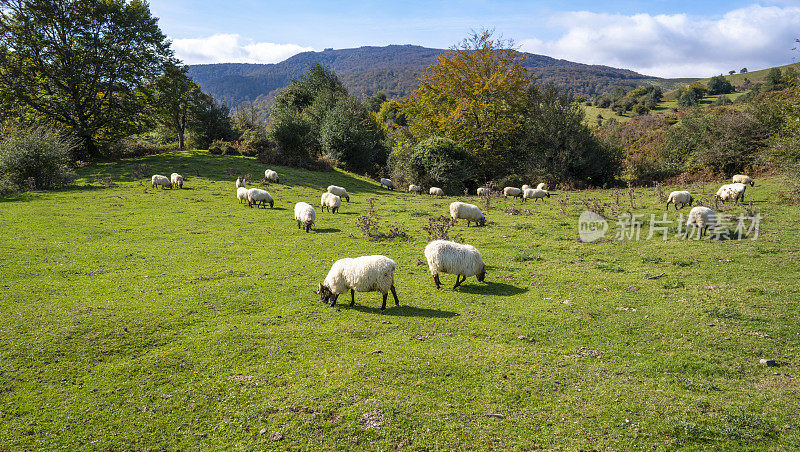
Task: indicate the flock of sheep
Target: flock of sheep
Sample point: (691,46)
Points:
(376,273)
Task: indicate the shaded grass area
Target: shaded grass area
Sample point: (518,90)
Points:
(139,319)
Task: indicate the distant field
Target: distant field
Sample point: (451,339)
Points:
(139,319)
(664,106)
(737,80)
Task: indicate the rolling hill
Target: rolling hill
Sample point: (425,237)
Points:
(394,70)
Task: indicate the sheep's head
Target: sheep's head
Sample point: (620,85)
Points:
(482,221)
(548,194)
(691,200)
(324,292)
(481,274)
(752,183)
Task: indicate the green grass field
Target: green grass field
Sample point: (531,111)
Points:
(141,319)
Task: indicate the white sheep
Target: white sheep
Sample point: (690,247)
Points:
(469,212)
(436,191)
(304,215)
(176,179)
(159,180)
(743,179)
(360,274)
(387,183)
(241,194)
(331,201)
(525,187)
(240,182)
(680,197)
(257,196)
(415,189)
(535,193)
(542,186)
(703,218)
(339,191)
(731,192)
(271,176)
(483,191)
(512,192)
(456,259)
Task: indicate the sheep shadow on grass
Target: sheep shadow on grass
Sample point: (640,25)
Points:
(492,288)
(326,230)
(404,311)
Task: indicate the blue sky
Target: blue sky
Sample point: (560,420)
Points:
(665,38)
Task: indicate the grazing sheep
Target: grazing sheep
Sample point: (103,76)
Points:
(483,191)
(339,191)
(450,257)
(535,193)
(731,192)
(415,189)
(542,186)
(525,187)
(469,212)
(176,179)
(387,183)
(703,218)
(743,179)
(240,182)
(331,201)
(257,196)
(272,176)
(680,197)
(241,194)
(436,191)
(362,274)
(304,215)
(163,181)
(512,192)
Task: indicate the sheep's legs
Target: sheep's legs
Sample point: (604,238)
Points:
(436,280)
(459,281)
(394,294)
(352,297)
(333,299)
(383,306)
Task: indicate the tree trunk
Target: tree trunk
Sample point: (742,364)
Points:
(180,139)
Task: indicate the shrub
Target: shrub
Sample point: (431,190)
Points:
(34,158)
(439,162)
(130,148)
(221,147)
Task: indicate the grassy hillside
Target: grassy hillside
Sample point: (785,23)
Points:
(141,319)
(738,80)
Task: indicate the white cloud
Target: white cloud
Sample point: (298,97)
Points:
(232,48)
(676,45)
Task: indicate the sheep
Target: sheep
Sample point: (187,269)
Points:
(339,191)
(680,197)
(362,274)
(743,179)
(331,201)
(469,212)
(436,191)
(513,192)
(703,218)
(176,179)
(258,196)
(483,191)
(241,194)
(542,186)
(525,187)
(388,183)
(451,257)
(159,180)
(304,215)
(241,182)
(272,176)
(415,189)
(731,192)
(535,193)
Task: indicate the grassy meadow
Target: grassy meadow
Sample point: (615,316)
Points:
(142,319)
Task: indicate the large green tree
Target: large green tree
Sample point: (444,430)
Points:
(82,64)
(176,100)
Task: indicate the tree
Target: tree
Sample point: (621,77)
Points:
(373,103)
(210,122)
(176,100)
(474,95)
(731,72)
(774,79)
(719,85)
(350,135)
(743,70)
(82,64)
(440,162)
